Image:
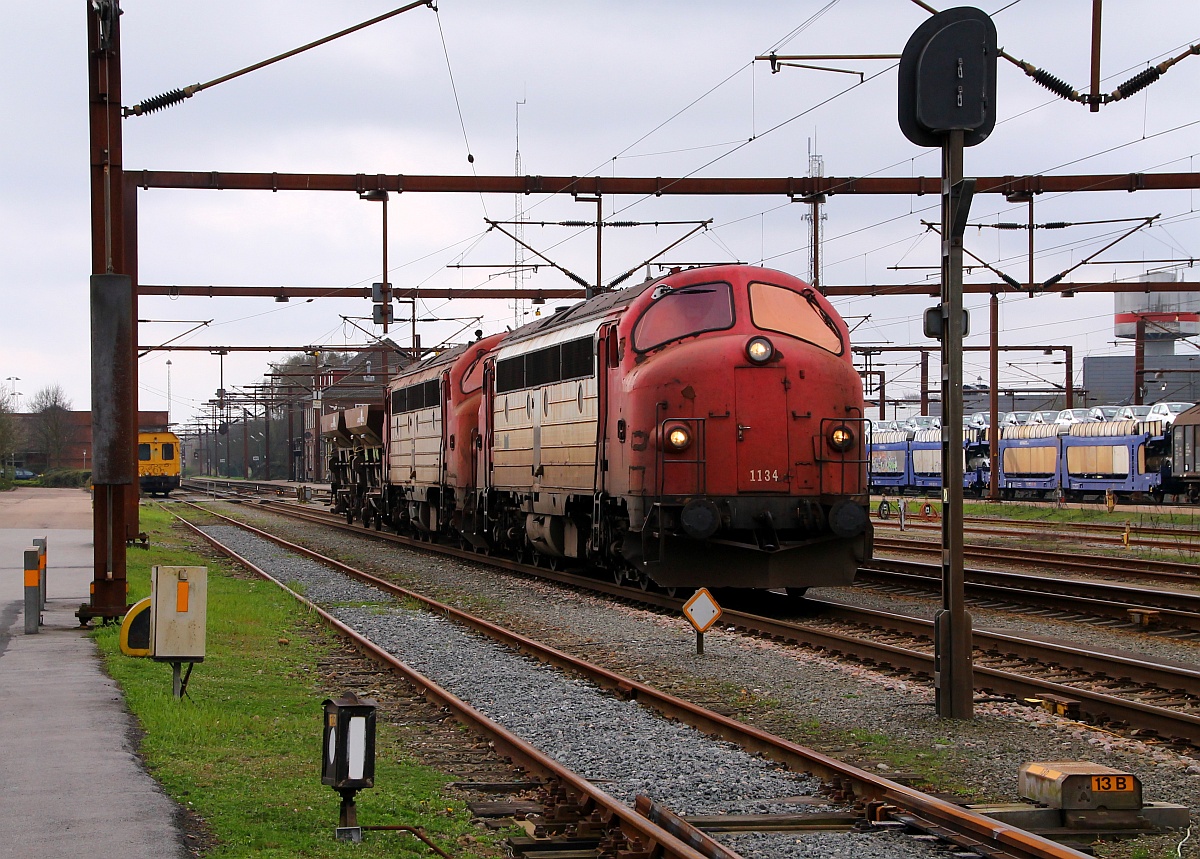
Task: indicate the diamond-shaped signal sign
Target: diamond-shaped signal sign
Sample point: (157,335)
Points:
(701,610)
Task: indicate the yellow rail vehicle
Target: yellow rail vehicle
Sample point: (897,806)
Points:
(158,462)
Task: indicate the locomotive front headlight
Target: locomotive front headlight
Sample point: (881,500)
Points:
(679,437)
(759,350)
(841,438)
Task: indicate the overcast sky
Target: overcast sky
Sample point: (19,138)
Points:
(647,88)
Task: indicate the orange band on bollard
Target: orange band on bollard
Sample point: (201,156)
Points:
(181,597)
(31,578)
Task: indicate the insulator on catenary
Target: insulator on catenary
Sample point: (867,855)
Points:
(1056,225)
(622,278)
(1011,281)
(1050,82)
(1139,81)
(1007,225)
(159,102)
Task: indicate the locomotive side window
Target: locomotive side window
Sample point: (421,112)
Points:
(418,396)
(558,363)
(510,374)
(683,312)
(143,453)
(577,358)
(773,308)
(541,367)
(168,451)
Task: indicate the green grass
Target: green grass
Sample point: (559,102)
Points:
(242,750)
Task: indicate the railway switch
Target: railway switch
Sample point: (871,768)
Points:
(1074,800)
(1081,789)
(348,756)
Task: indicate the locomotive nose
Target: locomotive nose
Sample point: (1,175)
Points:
(847,519)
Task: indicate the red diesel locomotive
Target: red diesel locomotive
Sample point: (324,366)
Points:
(703,429)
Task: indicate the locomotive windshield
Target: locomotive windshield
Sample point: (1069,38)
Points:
(683,312)
(773,308)
(472,380)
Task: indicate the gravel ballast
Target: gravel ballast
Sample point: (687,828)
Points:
(873,719)
(619,744)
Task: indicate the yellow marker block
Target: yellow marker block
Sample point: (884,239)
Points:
(181,597)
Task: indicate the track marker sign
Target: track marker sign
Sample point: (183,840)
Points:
(701,610)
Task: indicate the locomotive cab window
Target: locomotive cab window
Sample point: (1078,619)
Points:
(472,380)
(143,453)
(683,312)
(773,308)
(168,451)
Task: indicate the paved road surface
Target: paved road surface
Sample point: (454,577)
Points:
(71,783)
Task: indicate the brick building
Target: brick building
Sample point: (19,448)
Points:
(71,439)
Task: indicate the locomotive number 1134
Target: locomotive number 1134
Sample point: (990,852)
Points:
(764,475)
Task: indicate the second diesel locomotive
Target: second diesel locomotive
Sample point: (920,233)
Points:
(702,429)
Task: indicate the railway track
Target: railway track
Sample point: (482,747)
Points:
(577,807)
(1175,613)
(1108,689)
(1140,568)
(1180,539)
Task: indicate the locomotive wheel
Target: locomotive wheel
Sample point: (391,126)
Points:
(618,576)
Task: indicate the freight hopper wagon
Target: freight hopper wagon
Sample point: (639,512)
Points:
(364,425)
(339,451)
(705,428)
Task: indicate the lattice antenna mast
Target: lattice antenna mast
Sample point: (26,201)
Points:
(519,270)
(815,215)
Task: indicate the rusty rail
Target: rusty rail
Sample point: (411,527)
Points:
(961,825)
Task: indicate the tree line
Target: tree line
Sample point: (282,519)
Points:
(44,436)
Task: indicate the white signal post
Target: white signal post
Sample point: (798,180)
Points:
(702,612)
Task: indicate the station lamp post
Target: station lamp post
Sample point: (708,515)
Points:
(380,195)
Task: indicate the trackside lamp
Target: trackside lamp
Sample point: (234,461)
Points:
(348,756)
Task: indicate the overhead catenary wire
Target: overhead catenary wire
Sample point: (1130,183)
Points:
(175,96)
